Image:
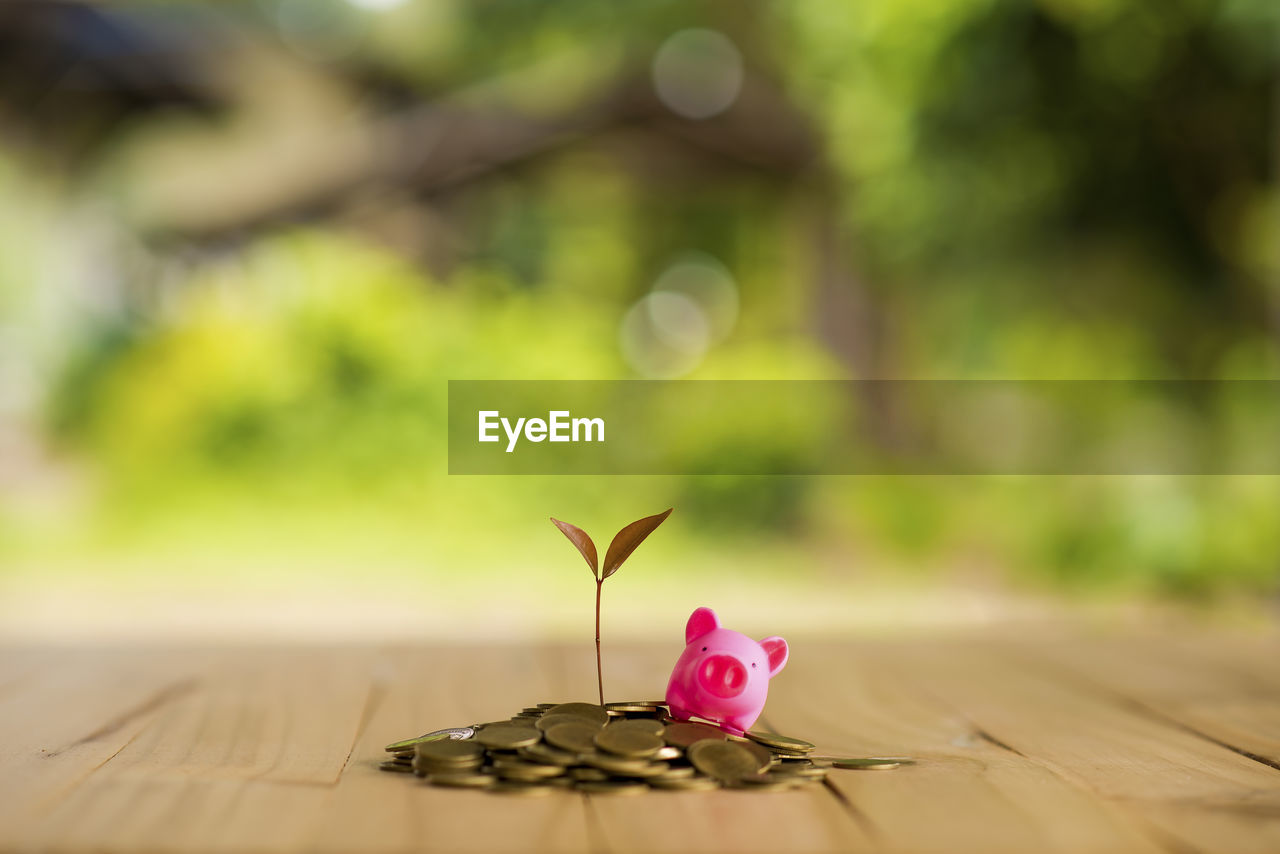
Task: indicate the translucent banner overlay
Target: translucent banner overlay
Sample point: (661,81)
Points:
(864,427)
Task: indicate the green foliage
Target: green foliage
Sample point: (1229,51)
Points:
(1048,189)
(1054,162)
(311,374)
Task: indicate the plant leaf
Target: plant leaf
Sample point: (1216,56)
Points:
(628,538)
(579,538)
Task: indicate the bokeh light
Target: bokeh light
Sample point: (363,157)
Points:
(697,73)
(664,335)
(707,282)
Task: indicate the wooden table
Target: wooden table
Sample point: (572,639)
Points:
(1153,743)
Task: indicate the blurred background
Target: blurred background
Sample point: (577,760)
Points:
(244,245)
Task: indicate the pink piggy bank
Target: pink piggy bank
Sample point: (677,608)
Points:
(723,675)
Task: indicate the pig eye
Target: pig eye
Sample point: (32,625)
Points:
(704,649)
(753,664)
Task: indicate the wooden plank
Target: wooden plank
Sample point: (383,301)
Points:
(427,689)
(1190,791)
(224,772)
(77,712)
(729,821)
(1251,657)
(286,716)
(135,813)
(1165,668)
(973,794)
(276,751)
(1248,726)
(1227,693)
(18,667)
(205,772)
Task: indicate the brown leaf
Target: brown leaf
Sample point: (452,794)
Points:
(627,540)
(579,538)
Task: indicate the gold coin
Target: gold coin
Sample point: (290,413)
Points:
(587,711)
(723,760)
(588,774)
(618,748)
(680,772)
(620,765)
(611,787)
(780,742)
(450,752)
(545,754)
(405,746)
(460,762)
(461,780)
(576,736)
(868,764)
(685,784)
(628,741)
(808,772)
(525,771)
(763,755)
(508,737)
(684,734)
(653,769)
(650,725)
(422,768)
(410,743)
(632,706)
(644,771)
(547,721)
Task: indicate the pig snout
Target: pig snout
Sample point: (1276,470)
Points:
(722,675)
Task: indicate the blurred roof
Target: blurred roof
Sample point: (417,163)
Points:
(71,73)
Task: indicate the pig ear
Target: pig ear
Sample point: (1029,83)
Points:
(700,622)
(776,649)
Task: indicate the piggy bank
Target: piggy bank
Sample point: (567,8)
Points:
(723,675)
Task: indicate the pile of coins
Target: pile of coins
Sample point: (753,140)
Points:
(617,749)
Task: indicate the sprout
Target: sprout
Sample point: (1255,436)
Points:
(624,543)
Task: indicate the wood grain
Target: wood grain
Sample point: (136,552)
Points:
(1046,743)
(1188,791)
(71,712)
(1228,692)
(423,690)
(966,792)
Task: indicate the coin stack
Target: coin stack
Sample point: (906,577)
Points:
(616,749)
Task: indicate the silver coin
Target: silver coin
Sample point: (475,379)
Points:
(457,733)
